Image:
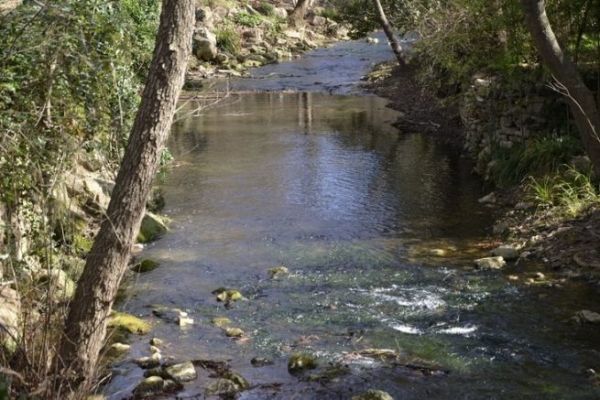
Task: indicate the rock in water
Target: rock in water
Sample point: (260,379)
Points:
(373,394)
(490,263)
(153,227)
(145,265)
(149,387)
(588,317)
(260,362)
(233,332)
(278,272)
(507,252)
(301,361)
(184,372)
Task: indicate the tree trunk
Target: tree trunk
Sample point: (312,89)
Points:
(85,327)
(389,32)
(297,16)
(581,99)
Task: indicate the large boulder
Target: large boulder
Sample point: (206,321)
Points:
(60,287)
(280,12)
(153,226)
(10,314)
(205,44)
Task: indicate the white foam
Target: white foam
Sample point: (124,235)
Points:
(411,330)
(459,330)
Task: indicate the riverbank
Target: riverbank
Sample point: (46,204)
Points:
(562,244)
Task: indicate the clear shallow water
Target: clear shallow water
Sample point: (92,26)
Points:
(325,186)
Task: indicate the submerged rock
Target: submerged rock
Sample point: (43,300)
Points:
(233,332)
(149,387)
(278,272)
(490,263)
(227,295)
(156,342)
(301,361)
(129,323)
(149,362)
(241,382)
(118,349)
(220,321)
(222,387)
(507,252)
(146,265)
(183,372)
(261,362)
(588,317)
(373,394)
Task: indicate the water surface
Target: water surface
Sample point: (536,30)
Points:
(378,229)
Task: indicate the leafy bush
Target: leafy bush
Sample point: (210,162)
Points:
(537,157)
(265,8)
(228,40)
(247,20)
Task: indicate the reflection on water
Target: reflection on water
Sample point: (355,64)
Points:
(323,185)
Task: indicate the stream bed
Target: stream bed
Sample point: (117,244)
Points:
(378,229)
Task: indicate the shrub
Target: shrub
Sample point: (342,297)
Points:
(265,9)
(247,20)
(228,40)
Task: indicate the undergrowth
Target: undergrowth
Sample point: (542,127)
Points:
(570,191)
(537,157)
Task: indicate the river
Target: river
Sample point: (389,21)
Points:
(378,229)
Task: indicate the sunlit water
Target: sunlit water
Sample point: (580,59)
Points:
(325,186)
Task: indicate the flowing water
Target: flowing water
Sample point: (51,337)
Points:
(378,229)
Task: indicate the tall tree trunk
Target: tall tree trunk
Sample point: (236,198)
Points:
(85,327)
(581,99)
(389,32)
(297,16)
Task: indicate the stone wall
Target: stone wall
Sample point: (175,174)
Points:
(505,112)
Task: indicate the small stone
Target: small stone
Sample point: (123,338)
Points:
(170,386)
(185,321)
(156,342)
(222,387)
(301,361)
(490,263)
(373,394)
(184,372)
(507,252)
(238,379)
(149,386)
(539,276)
(261,362)
(149,362)
(154,349)
(488,199)
(437,252)
(119,348)
(513,277)
(589,317)
(233,332)
(220,321)
(278,272)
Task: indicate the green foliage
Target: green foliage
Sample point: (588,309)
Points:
(536,157)
(247,20)
(70,74)
(228,39)
(265,9)
(330,13)
(571,191)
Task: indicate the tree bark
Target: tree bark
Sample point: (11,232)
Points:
(389,32)
(297,15)
(86,322)
(581,99)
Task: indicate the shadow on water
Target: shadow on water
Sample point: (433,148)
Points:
(325,186)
